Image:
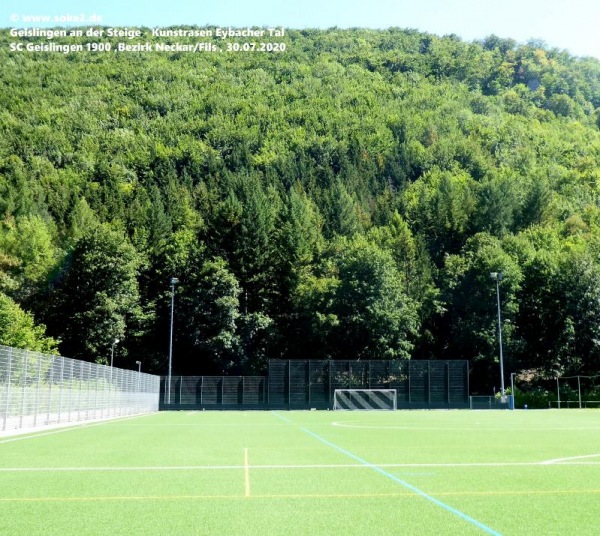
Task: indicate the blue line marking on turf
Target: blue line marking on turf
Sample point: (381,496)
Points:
(284,419)
(406,485)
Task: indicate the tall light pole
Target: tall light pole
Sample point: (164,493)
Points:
(174,281)
(499,276)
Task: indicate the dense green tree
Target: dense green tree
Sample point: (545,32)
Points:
(17,191)
(19,330)
(470,319)
(341,210)
(359,306)
(249,237)
(440,206)
(498,204)
(558,305)
(97,299)
(417,271)
(300,239)
(29,242)
(212,311)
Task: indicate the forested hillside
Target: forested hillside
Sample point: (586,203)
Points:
(347,198)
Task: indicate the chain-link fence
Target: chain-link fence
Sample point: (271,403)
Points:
(39,389)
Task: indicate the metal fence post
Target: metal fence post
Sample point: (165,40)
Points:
(37,389)
(71,388)
(87,375)
(448,380)
(409,369)
(50,378)
(61,386)
(8,381)
(115,401)
(329,398)
(23,384)
(80,381)
(468,377)
(96,395)
(428,382)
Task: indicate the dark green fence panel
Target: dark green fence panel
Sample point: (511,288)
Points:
(212,390)
(438,382)
(304,384)
(278,383)
(254,390)
(398,377)
(458,382)
(319,380)
(298,384)
(419,382)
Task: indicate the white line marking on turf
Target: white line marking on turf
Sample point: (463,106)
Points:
(560,460)
(405,494)
(185,468)
(71,426)
(246,474)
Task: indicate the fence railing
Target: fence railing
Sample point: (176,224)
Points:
(306,384)
(492,402)
(418,383)
(214,391)
(40,389)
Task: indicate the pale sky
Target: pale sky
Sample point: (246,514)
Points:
(564,24)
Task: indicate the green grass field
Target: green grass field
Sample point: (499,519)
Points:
(346,473)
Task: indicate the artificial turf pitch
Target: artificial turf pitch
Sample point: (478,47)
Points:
(293,473)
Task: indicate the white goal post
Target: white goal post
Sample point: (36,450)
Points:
(364,399)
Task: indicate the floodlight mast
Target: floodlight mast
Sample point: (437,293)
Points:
(499,276)
(174,281)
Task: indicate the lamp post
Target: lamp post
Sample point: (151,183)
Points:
(174,281)
(499,276)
